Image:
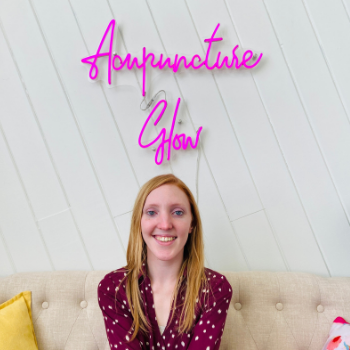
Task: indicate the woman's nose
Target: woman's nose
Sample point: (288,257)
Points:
(165,222)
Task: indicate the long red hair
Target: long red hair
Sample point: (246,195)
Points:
(193,260)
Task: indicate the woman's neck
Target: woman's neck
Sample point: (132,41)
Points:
(163,273)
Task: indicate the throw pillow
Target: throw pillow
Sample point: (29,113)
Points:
(17,331)
(339,335)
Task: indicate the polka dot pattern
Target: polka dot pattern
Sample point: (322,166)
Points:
(209,322)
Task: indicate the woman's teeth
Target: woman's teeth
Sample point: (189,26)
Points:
(164,239)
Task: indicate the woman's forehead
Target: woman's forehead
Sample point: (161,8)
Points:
(167,195)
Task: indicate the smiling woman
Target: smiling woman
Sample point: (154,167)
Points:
(164,297)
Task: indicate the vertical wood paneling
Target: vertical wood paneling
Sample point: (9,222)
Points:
(89,104)
(63,243)
(26,142)
(6,265)
(60,128)
(346,4)
(218,232)
(123,222)
(317,90)
(19,230)
(294,134)
(33,161)
(259,243)
(273,178)
(332,27)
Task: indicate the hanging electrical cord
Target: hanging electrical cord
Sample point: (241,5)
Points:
(149,104)
(197,165)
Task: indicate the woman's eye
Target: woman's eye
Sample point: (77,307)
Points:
(153,212)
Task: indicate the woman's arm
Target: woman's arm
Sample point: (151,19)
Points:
(208,330)
(117,316)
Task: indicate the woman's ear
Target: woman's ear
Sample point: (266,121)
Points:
(191,228)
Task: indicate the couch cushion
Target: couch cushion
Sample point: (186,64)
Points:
(269,310)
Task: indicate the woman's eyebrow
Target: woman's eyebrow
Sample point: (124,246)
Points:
(171,205)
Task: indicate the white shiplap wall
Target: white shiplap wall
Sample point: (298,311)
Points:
(274,167)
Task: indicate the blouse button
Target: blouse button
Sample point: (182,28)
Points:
(279,306)
(45,305)
(238,306)
(83,304)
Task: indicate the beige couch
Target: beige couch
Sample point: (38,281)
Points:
(269,310)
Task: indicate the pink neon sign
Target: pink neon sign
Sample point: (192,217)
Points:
(130,62)
(117,63)
(175,142)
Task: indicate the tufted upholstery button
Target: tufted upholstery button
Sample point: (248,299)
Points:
(45,305)
(238,306)
(320,308)
(83,304)
(279,306)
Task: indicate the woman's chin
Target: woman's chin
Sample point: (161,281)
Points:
(167,256)
(165,253)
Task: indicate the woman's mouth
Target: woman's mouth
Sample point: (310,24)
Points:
(165,240)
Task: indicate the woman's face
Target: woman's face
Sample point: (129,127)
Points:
(166,222)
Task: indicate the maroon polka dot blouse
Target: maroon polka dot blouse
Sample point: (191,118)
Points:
(209,322)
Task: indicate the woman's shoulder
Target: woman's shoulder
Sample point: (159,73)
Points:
(118,273)
(112,279)
(217,281)
(214,275)
(111,289)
